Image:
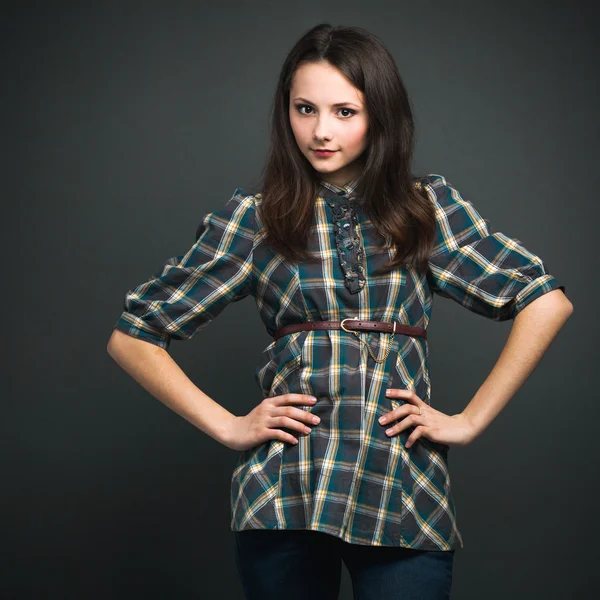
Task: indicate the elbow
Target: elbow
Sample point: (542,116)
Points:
(115,343)
(553,304)
(566,304)
(110,346)
(569,309)
(569,305)
(565,300)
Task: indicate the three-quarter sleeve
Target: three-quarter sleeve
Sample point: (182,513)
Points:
(192,289)
(486,271)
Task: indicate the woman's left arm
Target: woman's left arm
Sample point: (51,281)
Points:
(533,330)
(496,276)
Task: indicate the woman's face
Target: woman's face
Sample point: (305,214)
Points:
(318,123)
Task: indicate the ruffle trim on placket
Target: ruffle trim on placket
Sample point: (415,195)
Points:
(349,247)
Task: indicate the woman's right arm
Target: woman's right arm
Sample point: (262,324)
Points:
(186,294)
(154,369)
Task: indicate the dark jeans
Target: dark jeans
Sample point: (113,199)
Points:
(298,564)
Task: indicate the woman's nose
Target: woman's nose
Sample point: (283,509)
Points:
(322,130)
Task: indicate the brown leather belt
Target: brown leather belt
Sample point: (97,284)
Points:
(353,324)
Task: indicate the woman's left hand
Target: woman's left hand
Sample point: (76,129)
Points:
(431,423)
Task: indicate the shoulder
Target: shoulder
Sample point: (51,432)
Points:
(251,201)
(458,220)
(439,190)
(446,198)
(434,182)
(243,198)
(236,216)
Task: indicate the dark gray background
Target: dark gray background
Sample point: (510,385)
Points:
(123,124)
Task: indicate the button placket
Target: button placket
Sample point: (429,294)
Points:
(348,244)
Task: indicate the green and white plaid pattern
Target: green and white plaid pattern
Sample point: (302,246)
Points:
(347,477)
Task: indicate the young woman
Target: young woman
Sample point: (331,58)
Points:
(345,458)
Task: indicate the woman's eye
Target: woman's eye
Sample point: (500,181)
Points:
(299,107)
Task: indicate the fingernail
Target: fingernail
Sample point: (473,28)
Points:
(389,431)
(388,391)
(382,419)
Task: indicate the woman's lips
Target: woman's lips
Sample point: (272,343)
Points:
(324,153)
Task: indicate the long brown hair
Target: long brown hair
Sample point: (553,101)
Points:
(395,203)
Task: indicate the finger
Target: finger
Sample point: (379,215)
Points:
(294,399)
(298,414)
(285,437)
(289,423)
(413,437)
(409,421)
(398,413)
(408,395)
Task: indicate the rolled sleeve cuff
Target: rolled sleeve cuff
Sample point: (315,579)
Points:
(536,288)
(138,328)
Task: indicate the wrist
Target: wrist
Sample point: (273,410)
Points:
(473,426)
(225,431)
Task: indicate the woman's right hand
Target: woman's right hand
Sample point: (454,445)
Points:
(261,423)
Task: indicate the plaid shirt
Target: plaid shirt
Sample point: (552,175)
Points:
(347,477)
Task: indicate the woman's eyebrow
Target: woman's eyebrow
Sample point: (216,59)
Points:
(334,105)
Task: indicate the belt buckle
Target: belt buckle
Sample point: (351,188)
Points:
(348,319)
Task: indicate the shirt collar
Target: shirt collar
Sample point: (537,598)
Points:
(348,189)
